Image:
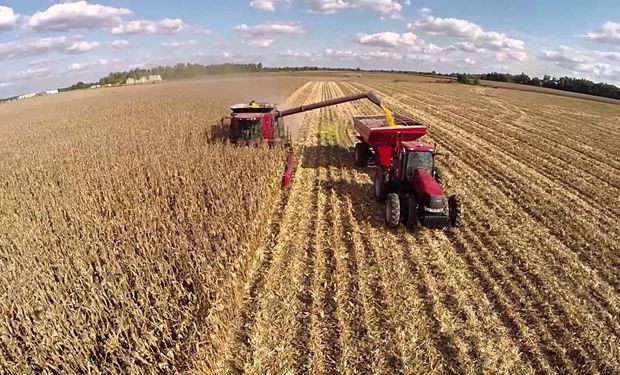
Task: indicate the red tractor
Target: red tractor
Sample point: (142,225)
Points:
(406,178)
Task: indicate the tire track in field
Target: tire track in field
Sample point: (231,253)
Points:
(446,304)
(241,350)
(533,283)
(478,166)
(371,288)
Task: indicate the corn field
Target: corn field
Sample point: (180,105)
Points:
(131,242)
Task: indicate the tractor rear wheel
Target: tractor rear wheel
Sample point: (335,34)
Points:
(392,211)
(361,154)
(412,212)
(381,188)
(455,208)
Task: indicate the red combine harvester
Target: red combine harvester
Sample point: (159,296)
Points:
(262,123)
(406,177)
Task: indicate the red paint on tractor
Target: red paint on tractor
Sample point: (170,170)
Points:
(425,185)
(417,146)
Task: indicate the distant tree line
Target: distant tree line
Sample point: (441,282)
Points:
(180,71)
(78,86)
(578,85)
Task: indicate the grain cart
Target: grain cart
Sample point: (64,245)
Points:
(263,123)
(405,178)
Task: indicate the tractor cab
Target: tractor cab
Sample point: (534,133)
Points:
(414,156)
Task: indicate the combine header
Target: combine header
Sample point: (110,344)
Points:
(406,177)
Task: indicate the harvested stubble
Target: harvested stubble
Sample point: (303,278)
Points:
(118,226)
(528,284)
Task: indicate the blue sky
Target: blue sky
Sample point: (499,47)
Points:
(45,44)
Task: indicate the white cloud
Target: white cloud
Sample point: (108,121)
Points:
(263,5)
(383,7)
(407,41)
(80,67)
(469,61)
(451,27)
(81,47)
(352,56)
(25,74)
(33,47)
(386,39)
(469,47)
(76,15)
(340,55)
(477,38)
(119,44)
(585,62)
(609,32)
(165,26)
(7,18)
(261,42)
(613,56)
(178,44)
(271,28)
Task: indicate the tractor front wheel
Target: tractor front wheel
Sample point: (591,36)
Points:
(392,210)
(455,208)
(381,188)
(361,154)
(412,212)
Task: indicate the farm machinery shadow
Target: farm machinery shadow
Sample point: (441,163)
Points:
(335,157)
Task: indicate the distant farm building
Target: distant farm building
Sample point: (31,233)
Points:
(142,80)
(40,93)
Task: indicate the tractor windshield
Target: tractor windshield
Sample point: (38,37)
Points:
(248,130)
(418,159)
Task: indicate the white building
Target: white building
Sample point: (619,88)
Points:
(27,96)
(143,80)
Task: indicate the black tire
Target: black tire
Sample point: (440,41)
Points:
(412,213)
(361,154)
(392,211)
(381,188)
(455,208)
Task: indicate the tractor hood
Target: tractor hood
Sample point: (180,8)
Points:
(428,191)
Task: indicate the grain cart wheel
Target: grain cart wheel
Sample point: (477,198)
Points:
(381,188)
(361,154)
(412,212)
(392,210)
(455,210)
